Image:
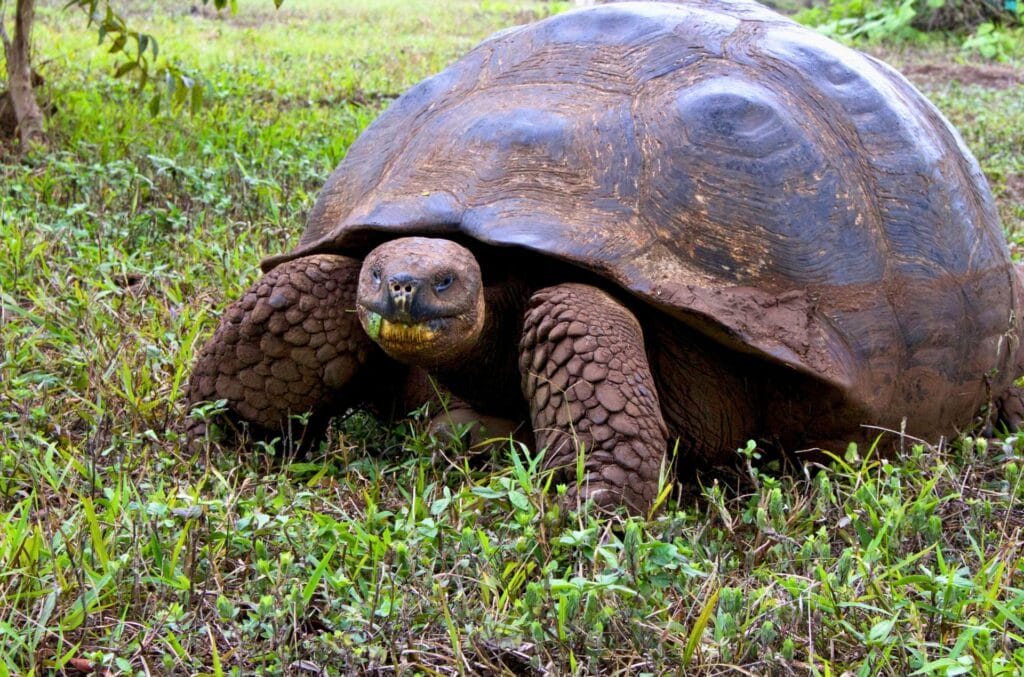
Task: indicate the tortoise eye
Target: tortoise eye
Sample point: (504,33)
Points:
(375,275)
(445,282)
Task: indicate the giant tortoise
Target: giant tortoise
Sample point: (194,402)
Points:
(639,225)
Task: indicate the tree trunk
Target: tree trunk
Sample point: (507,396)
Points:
(19,76)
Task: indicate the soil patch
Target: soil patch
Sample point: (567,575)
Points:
(1015,187)
(993,76)
(1009,198)
(252,18)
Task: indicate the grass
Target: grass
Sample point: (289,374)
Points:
(387,551)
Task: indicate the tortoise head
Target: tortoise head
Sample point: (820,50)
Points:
(422,300)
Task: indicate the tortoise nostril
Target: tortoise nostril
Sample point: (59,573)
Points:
(402,286)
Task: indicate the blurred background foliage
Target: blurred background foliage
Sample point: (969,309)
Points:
(991,29)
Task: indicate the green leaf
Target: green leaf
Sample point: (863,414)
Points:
(1009,614)
(486,492)
(154,105)
(440,505)
(698,627)
(880,631)
(181,90)
(214,654)
(519,501)
(953,666)
(126,67)
(119,42)
(522,476)
(318,572)
(99,546)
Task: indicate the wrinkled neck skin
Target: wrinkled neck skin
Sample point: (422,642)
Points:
(487,376)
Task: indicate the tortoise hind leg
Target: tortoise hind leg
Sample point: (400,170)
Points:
(1009,410)
(288,346)
(1008,406)
(591,392)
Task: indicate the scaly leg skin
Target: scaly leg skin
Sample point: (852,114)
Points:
(286,347)
(1009,410)
(1008,406)
(590,389)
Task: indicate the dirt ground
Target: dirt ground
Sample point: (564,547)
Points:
(1015,188)
(994,76)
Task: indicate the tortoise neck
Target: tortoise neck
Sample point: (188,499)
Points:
(487,376)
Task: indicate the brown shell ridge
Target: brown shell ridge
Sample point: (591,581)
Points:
(970,185)
(828,119)
(830,123)
(785,330)
(969,174)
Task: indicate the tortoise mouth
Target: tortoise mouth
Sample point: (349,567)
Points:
(428,343)
(390,333)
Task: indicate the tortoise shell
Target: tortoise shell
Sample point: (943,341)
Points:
(786,195)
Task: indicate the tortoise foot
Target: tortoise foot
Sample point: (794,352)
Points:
(592,396)
(478,432)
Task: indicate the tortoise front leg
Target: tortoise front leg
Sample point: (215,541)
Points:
(591,392)
(288,346)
